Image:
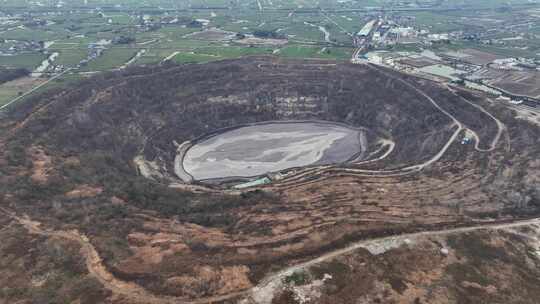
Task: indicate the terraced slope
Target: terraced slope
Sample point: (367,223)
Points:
(99,158)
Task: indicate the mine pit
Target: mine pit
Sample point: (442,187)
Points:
(271,147)
(217,182)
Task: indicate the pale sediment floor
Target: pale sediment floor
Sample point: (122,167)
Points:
(259,149)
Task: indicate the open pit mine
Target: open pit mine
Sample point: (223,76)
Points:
(265,180)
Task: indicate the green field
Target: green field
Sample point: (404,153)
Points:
(162,28)
(8,91)
(111,58)
(29,61)
(7,94)
(70,57)
(298,51)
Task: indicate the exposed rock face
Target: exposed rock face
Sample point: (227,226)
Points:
(70,158)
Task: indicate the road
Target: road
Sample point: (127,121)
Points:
(344,30)
(384,143)
(323,30)
(132,59)
(454,136)
(326,34)
(275,281)
(96,268)
(33,90)
(501,127)
(171,56)
(397,172)
(414,168)
(137,294)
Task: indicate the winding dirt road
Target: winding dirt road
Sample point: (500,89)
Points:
(94,263)
(260,293)
(418,167)
(137,294)
(501,127)
(402,171)
(454,136)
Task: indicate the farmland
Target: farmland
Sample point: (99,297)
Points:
(90,40)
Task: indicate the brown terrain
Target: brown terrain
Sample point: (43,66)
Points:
(522,83)
(72,187)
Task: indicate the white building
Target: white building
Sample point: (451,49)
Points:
(366,29)
(404,31)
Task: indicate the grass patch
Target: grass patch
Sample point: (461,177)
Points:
(70,58)
(110,59)
(8,92)
(34,34)
(233,52)
(193,58)
(300,51)
(297,278)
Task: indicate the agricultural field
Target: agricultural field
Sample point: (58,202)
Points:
(76,36)
(89,36)
(171,27)
(22,61)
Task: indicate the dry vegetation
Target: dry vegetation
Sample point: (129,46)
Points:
(474,267)
(67,162)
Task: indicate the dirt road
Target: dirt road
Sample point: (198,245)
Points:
(171,56)
(134,292)
(459,125)
(323,30)
(343,30)
(397,172)
(34,89)
(138,294)
(263,292)
(501,127)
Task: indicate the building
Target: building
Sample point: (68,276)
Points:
(404,31)
(366,30)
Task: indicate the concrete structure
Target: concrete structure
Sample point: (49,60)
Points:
(258,182)
(366,30)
